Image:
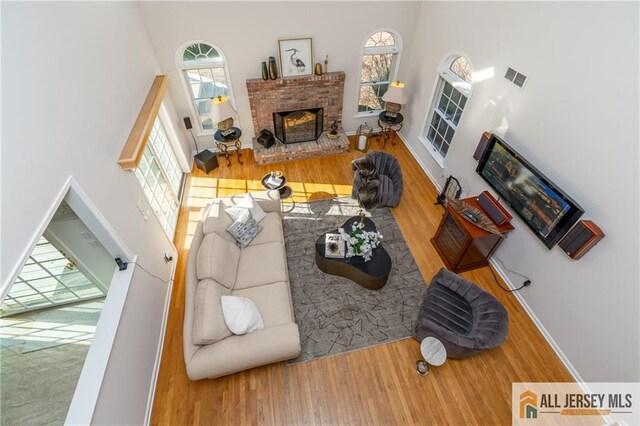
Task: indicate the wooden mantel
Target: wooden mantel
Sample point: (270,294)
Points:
(137,141)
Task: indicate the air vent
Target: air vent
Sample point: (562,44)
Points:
(511,74)
(515,77)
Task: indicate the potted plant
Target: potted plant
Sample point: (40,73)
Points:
(359,241)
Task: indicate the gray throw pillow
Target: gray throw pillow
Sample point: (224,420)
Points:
(244,229)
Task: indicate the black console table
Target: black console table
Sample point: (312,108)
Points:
(390,126)
(224,143)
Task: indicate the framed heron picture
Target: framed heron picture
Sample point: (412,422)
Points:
(296,56)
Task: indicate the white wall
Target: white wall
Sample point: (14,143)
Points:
(248,34)
(577,121)
(74,77)
(93,259)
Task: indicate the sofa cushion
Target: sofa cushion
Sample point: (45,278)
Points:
(224,220)
(248,203)
(241,315)
(208,322)
(271,230)
(244,229)
(218,259)
(211,218)
(237,353)
(262,264)
(273,302)
(269,201)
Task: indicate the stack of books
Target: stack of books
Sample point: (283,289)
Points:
(334,246)
(274,182)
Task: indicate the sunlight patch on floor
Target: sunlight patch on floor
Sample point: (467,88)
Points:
(201,190)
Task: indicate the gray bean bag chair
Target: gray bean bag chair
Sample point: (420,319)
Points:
(465,318)
(377,181)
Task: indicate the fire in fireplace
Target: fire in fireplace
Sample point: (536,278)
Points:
(298,126)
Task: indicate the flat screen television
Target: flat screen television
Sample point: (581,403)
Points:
(547,210)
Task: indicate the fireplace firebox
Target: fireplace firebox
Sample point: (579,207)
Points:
(298,126)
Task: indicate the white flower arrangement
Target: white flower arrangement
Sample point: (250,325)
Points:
(359,241)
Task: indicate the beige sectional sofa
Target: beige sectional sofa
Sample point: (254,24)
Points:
(216,267)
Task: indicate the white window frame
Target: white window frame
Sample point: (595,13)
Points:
(41,263)
(167,223)
(395,50)
(184,66)
(445,75)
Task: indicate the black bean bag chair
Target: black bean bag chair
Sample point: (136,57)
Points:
(465,318)
(377,181)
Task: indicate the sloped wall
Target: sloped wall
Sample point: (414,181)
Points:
(576,120)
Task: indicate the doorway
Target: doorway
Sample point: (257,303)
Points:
(58,318)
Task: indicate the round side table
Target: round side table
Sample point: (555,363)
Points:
(390,126)
(224,143)
(284,190)
(433,352)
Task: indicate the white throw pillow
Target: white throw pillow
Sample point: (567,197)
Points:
(241,314)
(249,203)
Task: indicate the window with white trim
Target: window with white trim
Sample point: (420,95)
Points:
(160,176)
(49,278)
(380,60)
(451,95)
(206,76)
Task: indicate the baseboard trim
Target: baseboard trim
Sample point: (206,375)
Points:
(556,348)
(423,166)
(158,359)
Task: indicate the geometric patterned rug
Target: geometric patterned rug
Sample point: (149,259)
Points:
(334,314)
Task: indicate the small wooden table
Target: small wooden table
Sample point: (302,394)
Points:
(462,245)
(224,143)
(390,126)
(372,275)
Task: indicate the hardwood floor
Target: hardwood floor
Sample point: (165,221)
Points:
(377,385)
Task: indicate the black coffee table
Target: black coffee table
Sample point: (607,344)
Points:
(372,275)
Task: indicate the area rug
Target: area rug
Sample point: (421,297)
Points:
(48,328)
(334,314)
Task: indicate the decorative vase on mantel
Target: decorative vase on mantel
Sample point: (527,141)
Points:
(265,71)
(273,69)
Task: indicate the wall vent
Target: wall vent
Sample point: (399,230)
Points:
(515,77)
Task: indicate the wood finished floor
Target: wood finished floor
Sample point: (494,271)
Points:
(376,385)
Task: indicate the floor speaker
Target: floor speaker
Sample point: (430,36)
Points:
(580,239)
(482,146)
(206,161)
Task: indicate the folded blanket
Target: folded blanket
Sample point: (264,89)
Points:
(368,189)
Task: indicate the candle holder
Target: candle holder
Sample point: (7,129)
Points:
(363,137)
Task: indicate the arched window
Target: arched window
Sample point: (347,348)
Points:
(380,60)
(451,95)
(205,76)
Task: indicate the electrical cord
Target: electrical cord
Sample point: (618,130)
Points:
(155,276)
(509,290)
(511,270)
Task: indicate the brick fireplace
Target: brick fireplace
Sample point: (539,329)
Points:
(291,94)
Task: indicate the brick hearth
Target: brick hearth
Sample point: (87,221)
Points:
(294,93)
(279,153)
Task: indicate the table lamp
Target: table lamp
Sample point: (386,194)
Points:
(223,112)
(394,98)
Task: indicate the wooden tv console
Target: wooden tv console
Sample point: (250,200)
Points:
(462,245)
